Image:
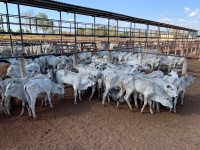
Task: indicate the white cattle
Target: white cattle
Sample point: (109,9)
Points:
(14,71)
(151,90)
(168,61)
(77,80)
(15,90)
(183,82)
(153,61)
(34,87)
(100,60)
(95,73)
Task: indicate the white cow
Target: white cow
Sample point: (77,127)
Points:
(34,87)
(151,89)
(77,80)
(95,73)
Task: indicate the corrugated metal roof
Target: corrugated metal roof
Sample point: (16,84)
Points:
(65,7)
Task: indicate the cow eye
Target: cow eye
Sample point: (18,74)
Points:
(168,86)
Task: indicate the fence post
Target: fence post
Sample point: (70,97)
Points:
(185,65)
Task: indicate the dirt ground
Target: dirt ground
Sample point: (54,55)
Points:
(91,126)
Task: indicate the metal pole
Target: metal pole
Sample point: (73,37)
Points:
(22,60)
(185,65)
(175,41)
(130,30)
(109,52)
(158,38)
(75,49)
(182,51)
(134,36)
(61,29)
(117,32)
(8,26)
(168,41)
(94,28)
(147,30)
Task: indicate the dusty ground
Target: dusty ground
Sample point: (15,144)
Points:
(91,126)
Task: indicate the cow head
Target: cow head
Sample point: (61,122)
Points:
(171,90)
(60,89)
(189,79)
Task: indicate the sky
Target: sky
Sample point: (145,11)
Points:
(185,13)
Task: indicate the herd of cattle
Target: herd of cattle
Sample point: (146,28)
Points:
(118,77)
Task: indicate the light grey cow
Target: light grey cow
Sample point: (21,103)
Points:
(34,87)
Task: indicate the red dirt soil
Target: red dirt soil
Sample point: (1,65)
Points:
(91,126)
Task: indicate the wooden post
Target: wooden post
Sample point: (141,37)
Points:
(54,49)
(140,56)
(185,65)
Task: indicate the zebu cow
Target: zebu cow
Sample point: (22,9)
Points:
(14,71)
(170,61)
(34,87)
(77,80)
(183,82)
(95,73)
(151,89)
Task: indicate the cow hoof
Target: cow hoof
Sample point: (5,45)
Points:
(175,112)
(182,105)
(152,113)
(158,111)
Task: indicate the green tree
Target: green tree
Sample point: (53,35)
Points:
(18,31)
(43,23)
(80,31)
(28,19)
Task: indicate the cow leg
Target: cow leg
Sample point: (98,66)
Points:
(127,99)
(49,98)
(153,105)
(99,92)
(135,99)
(23,105)
(144,105)
(150,106)
(29,110)
(158,107)
(75,94)
(7,104)
(175,102)
(79,94)
(93,91)
(105,95)
(118,104)
(182,96)
(32,106)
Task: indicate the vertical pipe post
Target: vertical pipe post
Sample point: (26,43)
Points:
(147,30)
(158,38)
(8,26)
(94,28)
(109,52)
(130,31)
(22,60)
(182,50)
(117,32)
(61,30)
(175,42)
(75,49)
(134,36)
(185,65)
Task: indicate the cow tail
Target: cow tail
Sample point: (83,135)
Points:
(27,96)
